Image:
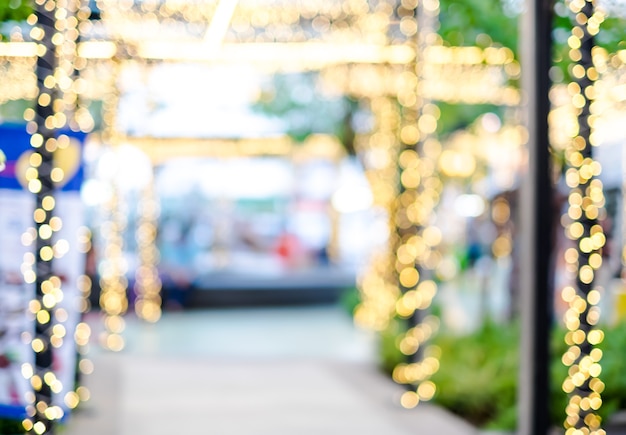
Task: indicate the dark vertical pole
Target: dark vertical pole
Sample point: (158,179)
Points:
(537,222)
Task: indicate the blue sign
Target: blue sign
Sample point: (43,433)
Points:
(15,143)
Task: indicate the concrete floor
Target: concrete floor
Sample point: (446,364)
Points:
(254,372)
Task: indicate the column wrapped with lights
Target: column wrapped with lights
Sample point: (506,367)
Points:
(416,239)
(55,33)
(147,281)
(113,281)
(79,119)
(585,201)
(113,267)
(378,152)
(82,332)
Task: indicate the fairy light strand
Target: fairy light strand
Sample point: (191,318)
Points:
(113,281)
(379,149)
(147,282)
(113,266)
(585,210)
(417,240)
(55,32)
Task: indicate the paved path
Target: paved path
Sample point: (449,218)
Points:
(250,372)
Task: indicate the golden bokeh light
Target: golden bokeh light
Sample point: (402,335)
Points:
(586,202)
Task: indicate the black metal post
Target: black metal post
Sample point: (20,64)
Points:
(537,218)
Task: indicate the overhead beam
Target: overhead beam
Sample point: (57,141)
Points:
(272,52)
(309,53)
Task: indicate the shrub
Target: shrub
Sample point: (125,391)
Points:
(478,374)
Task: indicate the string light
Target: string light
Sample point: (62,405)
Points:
(79,97)
(55,109)
(55,35)
(413,240)
(415,245)
(113,266)
(379,148)
(279,21)
(17,78)
(147,281)
(113,281)
(82,333)
(585,210)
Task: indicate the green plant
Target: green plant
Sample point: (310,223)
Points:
(389,354)
(613,374)
(478,374)
(298,99)
(11,427)
(15,10)
(349,299)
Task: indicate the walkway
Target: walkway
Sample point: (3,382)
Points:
(278,371)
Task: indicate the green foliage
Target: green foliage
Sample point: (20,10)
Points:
(11,427)
(483,22)
(15,10)
(477,378)
(14,110)
(612,37)
(298,100)
(477,22)
(389,354)
(349,299)
(460,116)
(613,374)
(478,374)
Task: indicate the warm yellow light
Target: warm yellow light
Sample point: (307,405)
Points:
(457,164)
(409,399)
(114,342)
(314,54)
(426,390)
(71,399)
(586,200)
(37,345)
(39,428)
(43,317)
(97,49)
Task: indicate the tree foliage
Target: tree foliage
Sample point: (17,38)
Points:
(307,109)
(15,10)
(478,23)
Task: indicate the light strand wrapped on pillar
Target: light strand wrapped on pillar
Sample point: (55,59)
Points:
(416,236)
(113,267)
(147,282)
(82,333)
(54,28)
(585,211)
(113,282)
(379,150)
